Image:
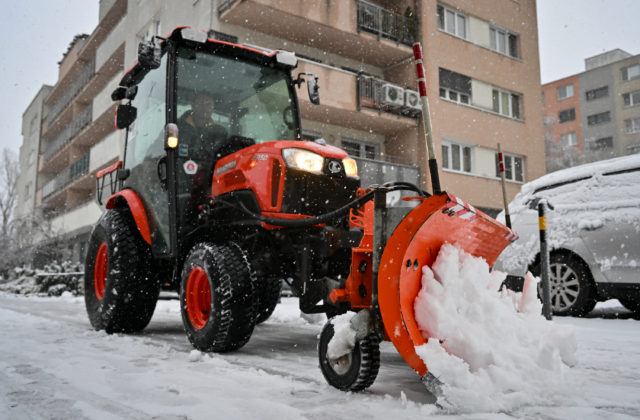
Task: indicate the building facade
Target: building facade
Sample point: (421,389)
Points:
(599,108)
(483,79)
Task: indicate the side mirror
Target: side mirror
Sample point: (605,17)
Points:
(314,90)
(125,115)
(312,86)
(149,54)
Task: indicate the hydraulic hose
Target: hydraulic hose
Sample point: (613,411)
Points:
(323,218)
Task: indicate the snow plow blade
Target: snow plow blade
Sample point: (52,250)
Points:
(415,243)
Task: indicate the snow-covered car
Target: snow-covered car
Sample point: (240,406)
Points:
(593,234)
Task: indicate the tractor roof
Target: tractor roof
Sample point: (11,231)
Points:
(185,33)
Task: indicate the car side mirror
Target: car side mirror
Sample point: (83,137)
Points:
(125,115)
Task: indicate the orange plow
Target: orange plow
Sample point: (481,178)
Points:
(386,270)
(415,243)
(386,276)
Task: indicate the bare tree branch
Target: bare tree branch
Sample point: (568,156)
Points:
(9,171)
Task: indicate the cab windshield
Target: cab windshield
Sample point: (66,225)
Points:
(235,97)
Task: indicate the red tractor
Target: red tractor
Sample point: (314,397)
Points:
(219,198)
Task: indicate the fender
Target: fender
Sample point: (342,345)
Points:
(137,210)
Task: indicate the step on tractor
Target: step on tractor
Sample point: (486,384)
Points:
(219,198)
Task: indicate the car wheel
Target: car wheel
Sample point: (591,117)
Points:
(573,291)
(632,303)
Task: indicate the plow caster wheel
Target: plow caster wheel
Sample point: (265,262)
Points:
(217,297)
(355,371)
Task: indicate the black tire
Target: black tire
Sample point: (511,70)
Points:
(217,297)
(120,291)
(355,371)
(267,297)
(573,291)
(631,302)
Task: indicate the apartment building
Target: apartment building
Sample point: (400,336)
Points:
(594,115)
(483,81)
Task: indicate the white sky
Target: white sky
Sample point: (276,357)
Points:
(35,34)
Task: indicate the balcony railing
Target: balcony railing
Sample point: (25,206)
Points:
(69,132)
(374,172)
(224,5)
(74,88)
(371,95)
(69,174)
(385,23)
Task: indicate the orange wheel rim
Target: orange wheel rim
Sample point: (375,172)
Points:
(100,271)
(198,298)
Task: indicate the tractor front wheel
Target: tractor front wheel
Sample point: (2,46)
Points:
(217,297)
(354,371)
(120,292)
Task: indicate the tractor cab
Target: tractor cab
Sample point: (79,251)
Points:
(188,102)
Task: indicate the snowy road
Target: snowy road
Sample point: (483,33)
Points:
(53,365)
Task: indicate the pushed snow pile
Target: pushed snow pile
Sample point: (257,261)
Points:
(497,351)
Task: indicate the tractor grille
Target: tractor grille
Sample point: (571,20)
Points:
(313,195)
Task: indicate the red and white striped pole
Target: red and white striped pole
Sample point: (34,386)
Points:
(507,217)
(426,119)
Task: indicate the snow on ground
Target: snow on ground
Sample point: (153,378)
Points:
(53,365)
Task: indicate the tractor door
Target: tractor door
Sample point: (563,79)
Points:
(145,153)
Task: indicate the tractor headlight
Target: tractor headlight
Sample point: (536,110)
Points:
(303,160)
(350,167)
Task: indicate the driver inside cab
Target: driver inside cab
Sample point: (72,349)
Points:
(198,130)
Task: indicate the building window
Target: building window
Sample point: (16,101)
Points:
(631,98)
(503,41)
(569,139)
(506,103)
(601,118)
(567,115)
(631,72)
(452,22)
(602,143)
(632,125)
(513,167)
(456,157)
(598,93)
(455,86)
(565,92)
(360,149)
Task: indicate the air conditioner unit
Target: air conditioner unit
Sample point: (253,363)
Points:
(412,100)
(392,96)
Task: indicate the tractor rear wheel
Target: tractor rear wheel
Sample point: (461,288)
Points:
(120,292)
(355,371)
(217,297)
(267,296)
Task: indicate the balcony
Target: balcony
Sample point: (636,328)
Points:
(53,192)
(344,103)
(72,91)
(77,125)
(359,29)
(64,149)
(385,23)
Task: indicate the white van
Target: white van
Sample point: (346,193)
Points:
(593,234)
